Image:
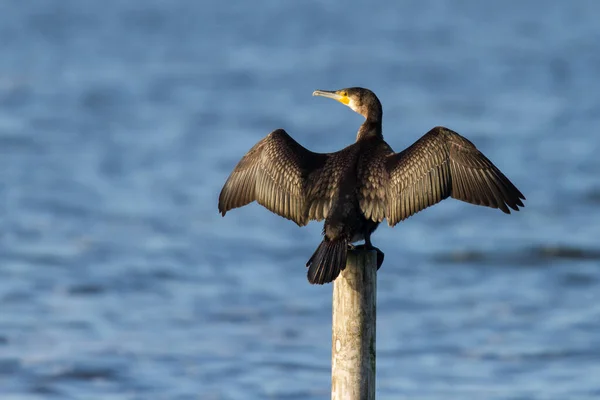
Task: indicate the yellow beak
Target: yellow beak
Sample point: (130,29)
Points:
(332,95)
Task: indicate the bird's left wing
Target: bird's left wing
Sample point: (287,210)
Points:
(283,176)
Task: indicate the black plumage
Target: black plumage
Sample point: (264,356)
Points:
(356,188)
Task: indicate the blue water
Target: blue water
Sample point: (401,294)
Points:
(120,121)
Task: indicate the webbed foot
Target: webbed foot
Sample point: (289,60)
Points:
(380,254)
(380,257)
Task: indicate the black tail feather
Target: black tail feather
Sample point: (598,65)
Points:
(327,261)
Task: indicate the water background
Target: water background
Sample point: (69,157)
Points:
(121,120)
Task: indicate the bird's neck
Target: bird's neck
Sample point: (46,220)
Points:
(369,129)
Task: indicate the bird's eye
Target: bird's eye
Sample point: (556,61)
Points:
(344,93)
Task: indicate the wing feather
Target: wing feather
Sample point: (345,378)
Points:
(286,178)
(439,165)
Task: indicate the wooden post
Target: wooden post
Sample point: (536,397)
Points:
(353,328)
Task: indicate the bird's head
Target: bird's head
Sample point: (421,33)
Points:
(361,100)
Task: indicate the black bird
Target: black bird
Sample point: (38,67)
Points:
(355,188)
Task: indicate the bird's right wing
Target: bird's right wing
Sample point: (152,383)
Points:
(283,176)
(441,164)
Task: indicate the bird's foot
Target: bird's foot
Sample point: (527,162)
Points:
(380,257)
(380,254)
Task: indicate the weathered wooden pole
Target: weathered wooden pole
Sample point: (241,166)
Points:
(353,328)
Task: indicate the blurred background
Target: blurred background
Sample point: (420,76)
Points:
(120,121)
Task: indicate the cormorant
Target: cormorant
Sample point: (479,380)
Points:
(355,188)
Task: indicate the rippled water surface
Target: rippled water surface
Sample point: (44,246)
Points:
(120,121)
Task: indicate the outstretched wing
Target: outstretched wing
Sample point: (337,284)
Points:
(441,164)
(283,176)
